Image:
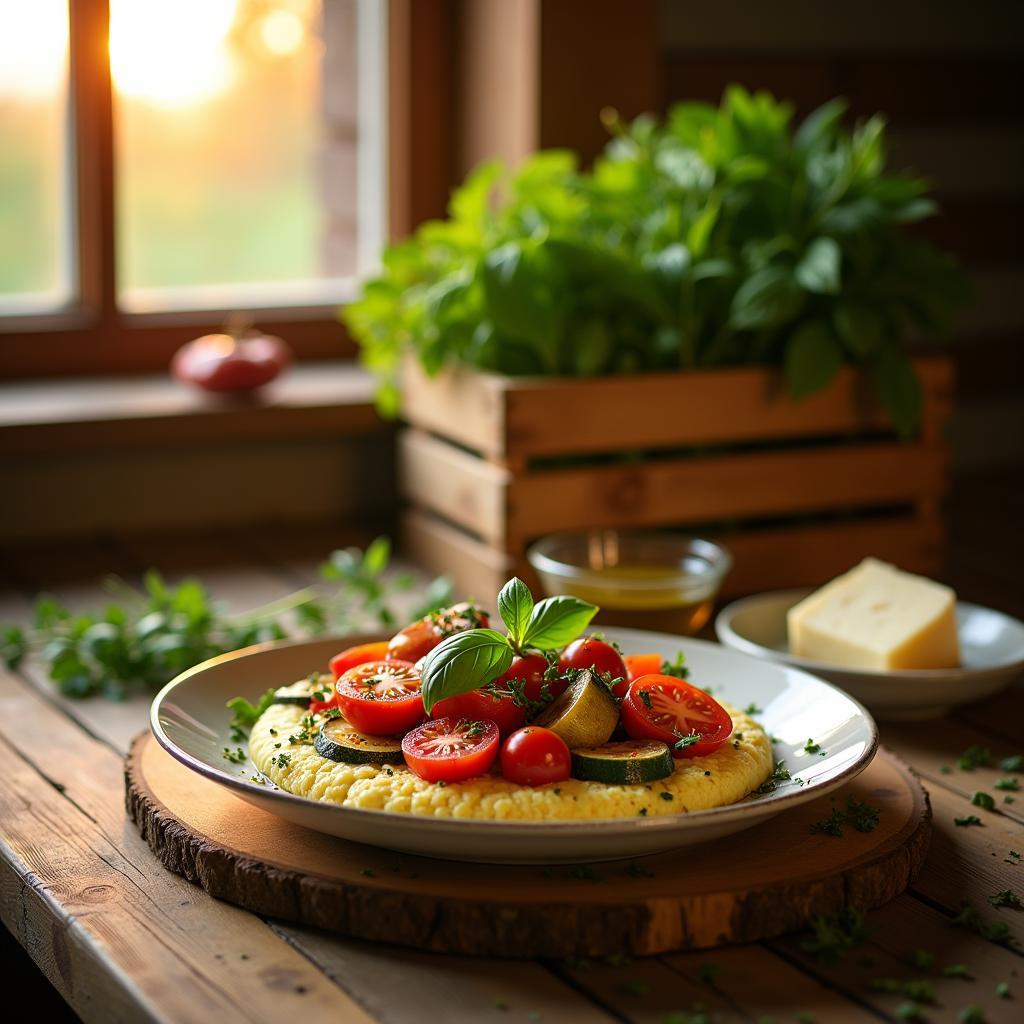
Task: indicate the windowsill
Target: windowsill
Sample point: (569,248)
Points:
(311,399)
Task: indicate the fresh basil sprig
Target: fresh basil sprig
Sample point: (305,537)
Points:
(476,657)
(557,621)
(515,605)
(464,662)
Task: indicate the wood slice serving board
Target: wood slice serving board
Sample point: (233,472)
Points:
(763,882)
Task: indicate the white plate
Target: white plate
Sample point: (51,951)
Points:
(991,647)
(190,721)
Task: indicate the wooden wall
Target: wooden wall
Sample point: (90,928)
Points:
(949,76)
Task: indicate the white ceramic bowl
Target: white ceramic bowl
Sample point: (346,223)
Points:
(991,648)
(190,721)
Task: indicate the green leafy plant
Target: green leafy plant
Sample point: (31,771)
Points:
(720,237)
(145,638)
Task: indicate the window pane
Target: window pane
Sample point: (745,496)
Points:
(34,196)
(237,150)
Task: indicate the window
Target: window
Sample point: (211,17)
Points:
(165,162)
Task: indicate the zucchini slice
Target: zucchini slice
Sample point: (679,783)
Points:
(301,693)
(624,764)
(338,741)
(585,715)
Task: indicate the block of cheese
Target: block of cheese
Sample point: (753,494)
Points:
(877,617)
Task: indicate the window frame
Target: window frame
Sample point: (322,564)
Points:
(93,336)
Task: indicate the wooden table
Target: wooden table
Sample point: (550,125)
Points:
(121,938)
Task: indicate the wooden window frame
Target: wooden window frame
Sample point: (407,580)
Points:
(94,336)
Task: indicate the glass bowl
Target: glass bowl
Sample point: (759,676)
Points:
(646,579)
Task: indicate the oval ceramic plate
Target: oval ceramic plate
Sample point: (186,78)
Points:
(991,647)
(190,721)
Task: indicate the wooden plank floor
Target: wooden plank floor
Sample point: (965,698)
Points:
(120,938)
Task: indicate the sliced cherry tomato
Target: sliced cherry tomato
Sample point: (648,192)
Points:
(658,707)
(422,636)
(535,756)
(486,705)
(589,652)
(359,655)
(638,665)
(451,749)
(381,698)
(530,668)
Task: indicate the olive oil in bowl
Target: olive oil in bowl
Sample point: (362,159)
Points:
(646,580)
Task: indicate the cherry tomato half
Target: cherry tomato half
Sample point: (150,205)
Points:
(451,749)
(483,705)
(589,652)
(421,637)
(381,698)
(535,756)
(658,707)
(530,668)
(352,656)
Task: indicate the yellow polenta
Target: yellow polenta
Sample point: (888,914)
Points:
(724,777)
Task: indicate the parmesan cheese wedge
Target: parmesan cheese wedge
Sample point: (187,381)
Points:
(877,617)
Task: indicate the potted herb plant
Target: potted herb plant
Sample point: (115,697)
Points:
(722,276)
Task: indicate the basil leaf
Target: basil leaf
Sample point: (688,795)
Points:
(515,603)
(557,621)
(813,358)
(898,388)
(464,662)
(819,267)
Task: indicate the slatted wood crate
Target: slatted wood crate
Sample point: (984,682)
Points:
(799,491)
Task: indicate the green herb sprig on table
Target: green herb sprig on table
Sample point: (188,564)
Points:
(720,237)
(144,638)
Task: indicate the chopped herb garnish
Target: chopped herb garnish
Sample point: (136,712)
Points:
(1013,857)
(830,826)
(642,812)
(983,800)
(282,760)
(967,819)
(635,987)
(862,816)
(835,936)
(1014,763)
(1005,898)
(676,667)
(665,795)
(685,741)
(999,932)
(236,756)
(1012,784)
(244,714)
(1003,990)
(646,698)
(910,1011)
(976,757)
(752,709)
(708,972)
(956,971)
(779,775)
(810,747)
(972,1015)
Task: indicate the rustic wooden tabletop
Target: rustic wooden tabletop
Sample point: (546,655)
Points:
(121,938)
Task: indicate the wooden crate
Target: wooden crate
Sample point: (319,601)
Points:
(799,491)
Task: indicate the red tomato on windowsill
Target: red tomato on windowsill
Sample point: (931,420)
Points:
(220,362)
